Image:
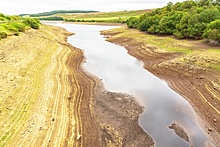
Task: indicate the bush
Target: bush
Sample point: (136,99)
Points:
(213,31)
(3,35)
(33,23)
(17,26)
(132,22)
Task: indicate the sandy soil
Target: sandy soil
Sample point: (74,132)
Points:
(46,98)
(199,85)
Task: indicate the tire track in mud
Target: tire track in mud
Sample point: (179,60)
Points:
(54,93)
(88,135)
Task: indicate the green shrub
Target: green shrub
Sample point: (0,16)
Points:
(33,23)
(21,27)
(132,22)
(3,35)
(213,31)
(11,27)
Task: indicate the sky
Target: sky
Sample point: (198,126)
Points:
(15,7)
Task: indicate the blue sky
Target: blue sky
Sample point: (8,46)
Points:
(12,7)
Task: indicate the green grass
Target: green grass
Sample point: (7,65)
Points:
(164,43)
(13,25)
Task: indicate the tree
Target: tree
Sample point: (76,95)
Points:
(182,27)
(167,24)
(213,31)
(132,22)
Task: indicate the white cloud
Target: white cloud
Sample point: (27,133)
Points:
(36,6)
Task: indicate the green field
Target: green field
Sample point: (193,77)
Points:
(118,17)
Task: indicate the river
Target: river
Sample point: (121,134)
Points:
(121,72)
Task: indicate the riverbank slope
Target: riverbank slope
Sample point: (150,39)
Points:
(189,67)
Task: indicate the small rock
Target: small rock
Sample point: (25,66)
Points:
(53,119)
(210,129)
(78,137)
(214,120)
(216,87)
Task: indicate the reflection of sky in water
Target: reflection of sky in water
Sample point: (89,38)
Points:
(123,73)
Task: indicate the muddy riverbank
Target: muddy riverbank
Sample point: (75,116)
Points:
(48,99)
(197,83)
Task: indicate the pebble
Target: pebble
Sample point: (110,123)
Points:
(201,77)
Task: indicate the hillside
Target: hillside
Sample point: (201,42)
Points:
(115,17)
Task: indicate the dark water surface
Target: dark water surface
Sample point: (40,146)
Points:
(121,72)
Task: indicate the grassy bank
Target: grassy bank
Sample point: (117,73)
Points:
(13,25)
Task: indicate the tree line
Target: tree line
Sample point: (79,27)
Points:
(189,19)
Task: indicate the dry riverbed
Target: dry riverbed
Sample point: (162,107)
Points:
(46,98)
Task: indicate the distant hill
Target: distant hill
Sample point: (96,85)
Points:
(58,12)
(89,16)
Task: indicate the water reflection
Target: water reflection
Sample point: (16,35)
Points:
(121,72)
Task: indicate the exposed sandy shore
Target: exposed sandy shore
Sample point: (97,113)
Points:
(199,85)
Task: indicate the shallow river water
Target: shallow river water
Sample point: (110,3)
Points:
(121,72)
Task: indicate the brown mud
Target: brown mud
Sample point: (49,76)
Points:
(199,85)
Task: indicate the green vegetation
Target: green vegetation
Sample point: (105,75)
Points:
(108,17)
(57,12)
(192,52)
(88,16)
(189,19)
(52,18)
(12,25)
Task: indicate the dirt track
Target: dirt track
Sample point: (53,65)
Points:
(199,85)
(46,99)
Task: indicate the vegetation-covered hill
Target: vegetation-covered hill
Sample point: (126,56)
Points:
(189,19)
(58,12)
(110,17)
(12,25)
(90,16)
